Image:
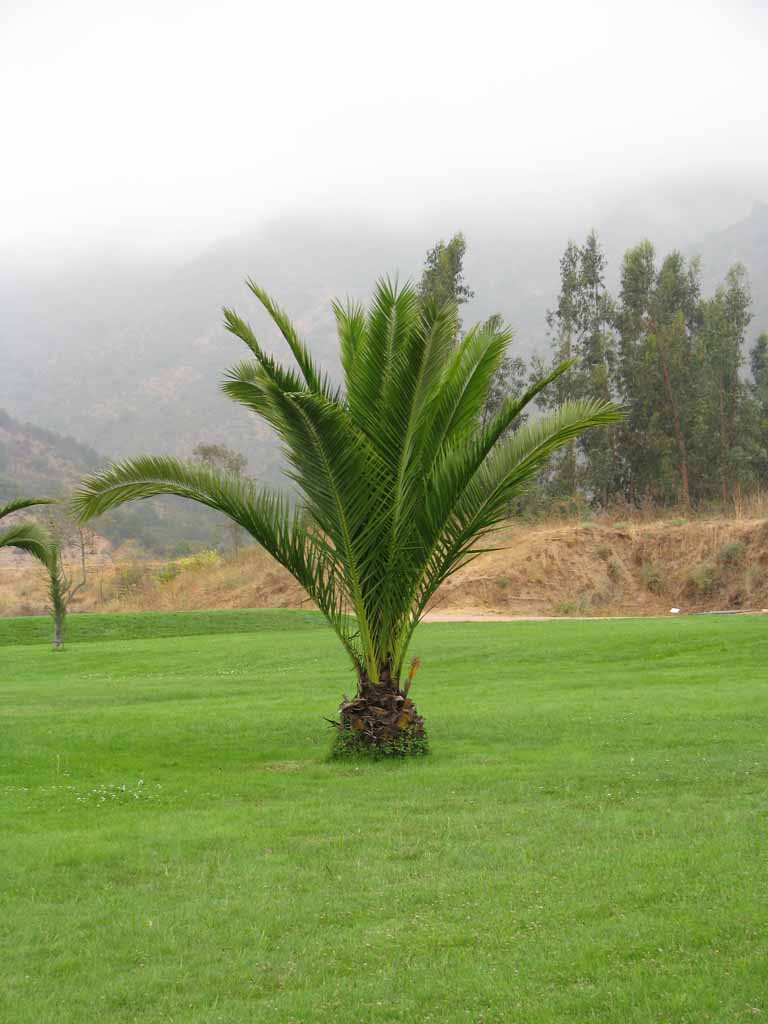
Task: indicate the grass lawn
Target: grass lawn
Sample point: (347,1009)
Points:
(588,840)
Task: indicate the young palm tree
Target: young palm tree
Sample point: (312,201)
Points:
(28,537)
(400,480)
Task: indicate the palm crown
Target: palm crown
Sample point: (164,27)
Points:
(400,480)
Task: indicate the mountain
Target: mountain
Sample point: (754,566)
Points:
(128,358)
(131,360)
(41,463)
(744,242)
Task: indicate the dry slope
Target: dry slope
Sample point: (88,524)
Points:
(544,570)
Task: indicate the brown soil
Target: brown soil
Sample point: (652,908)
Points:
(553,569)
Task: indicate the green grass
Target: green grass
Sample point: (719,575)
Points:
(587,842)
(144,625)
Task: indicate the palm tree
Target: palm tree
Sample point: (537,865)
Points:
(400,480)
(28,537)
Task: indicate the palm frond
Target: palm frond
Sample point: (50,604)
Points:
(315,380)
(266,516)
(29,537)
(399,476)
(21,503)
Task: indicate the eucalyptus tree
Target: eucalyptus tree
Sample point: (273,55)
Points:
(400,480)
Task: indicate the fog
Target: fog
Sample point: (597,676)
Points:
(156,127)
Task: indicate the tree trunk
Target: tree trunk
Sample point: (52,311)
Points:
(724,446)
(685,496)
(381,720)
(58,629)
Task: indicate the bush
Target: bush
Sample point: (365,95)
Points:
(732,555)
(613,569)
(652,579)
(349,745)
(200,560)
(567,608)
(703,580)
(129,577)
(167,573)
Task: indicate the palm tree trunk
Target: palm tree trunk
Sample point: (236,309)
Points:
(381,719)
(58,629)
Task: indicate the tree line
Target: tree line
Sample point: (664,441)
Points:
(677,360)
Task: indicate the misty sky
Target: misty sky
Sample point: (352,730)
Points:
(161,122)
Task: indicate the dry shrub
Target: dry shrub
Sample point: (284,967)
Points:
(652,578)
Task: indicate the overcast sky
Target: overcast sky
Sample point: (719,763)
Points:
(162,121)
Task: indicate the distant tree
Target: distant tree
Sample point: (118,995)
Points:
(632,318)
(692,431)
(219,456)
(61,590)
(725,318)
(62,586)
(43,545)
(511,378)
(226,460)
(442,279)
(581,329)
(658,315)
(597,365)
(758,364)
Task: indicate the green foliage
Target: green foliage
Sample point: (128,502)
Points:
(61,590)
(347,745)
(695,431)
(442,280)
(172,570)
(400,481)
(219,456)
(168,573)
(199,560)
(703,580)
(29,537)
(129,577)
(581,330)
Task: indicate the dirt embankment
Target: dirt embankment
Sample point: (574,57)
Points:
(555,569)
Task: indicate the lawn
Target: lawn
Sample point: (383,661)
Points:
(587,842)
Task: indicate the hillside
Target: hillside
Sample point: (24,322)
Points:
(129,358)
(554,569)
(745,242)
(42,463)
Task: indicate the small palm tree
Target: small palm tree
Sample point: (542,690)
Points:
(400,480)
(27,537)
